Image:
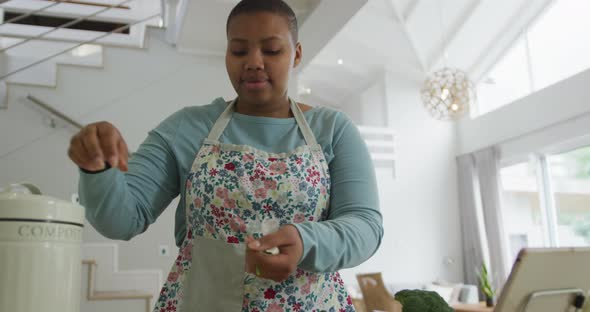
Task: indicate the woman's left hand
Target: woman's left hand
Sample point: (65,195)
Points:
(275,267)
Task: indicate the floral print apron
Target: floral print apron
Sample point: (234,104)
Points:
(233,191)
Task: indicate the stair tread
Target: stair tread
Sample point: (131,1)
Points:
(120,294)
(71,35)
(72,10)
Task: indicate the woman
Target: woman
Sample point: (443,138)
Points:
(279,196)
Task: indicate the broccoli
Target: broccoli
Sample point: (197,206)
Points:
(422,301)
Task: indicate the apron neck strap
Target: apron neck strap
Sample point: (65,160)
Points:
(225,117)
(302,122)
(222,122)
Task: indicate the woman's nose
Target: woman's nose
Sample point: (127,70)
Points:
(254,61)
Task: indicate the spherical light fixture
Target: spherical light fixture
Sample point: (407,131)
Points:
(448,94)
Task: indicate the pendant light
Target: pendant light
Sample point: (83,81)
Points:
(447,93)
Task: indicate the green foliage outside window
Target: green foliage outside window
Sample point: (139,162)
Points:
(582,158)
(579,224)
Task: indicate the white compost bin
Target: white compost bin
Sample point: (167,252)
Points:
(40,259)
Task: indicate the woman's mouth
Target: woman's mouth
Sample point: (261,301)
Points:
(255,85)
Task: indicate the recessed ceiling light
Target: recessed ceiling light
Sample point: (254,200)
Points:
(340,61)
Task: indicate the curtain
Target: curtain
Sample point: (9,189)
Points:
(488,173)
(481,216)
(473,249)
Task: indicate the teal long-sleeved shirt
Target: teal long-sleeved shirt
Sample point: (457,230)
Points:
(122,205)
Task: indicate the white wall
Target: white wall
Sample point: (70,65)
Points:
(532,118)
(370,107)
(420,206)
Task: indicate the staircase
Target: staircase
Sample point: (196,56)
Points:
(381,144)
(42,48)
(104,282)
(58,81)
(107,287)
(44,74)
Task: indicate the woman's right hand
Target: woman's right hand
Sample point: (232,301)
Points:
(96,144)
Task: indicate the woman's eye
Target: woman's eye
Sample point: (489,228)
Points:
(272,52)
(239,53)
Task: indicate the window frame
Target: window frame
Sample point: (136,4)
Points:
(545,185)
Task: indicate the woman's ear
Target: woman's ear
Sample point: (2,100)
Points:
(298,55)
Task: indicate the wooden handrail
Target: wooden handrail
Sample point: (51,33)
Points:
(124,7)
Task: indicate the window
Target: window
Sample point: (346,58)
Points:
(521,209)
(559,43)
(546,201)
(552,49)
(570,175)
(508,81)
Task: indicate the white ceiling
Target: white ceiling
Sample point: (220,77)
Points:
(376,36)
(406,36)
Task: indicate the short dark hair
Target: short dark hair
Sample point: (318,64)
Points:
(272,6)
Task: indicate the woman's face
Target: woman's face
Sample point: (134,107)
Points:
(260,56)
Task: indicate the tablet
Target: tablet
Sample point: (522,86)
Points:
(546,280)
